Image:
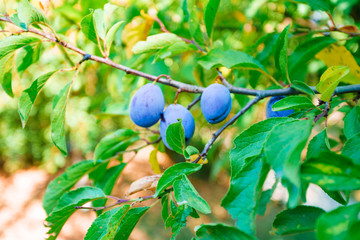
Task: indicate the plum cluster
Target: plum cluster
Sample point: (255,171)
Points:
(148,103)
(270,113)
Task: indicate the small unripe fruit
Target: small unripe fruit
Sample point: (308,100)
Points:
(147,105)
(270,113)
(171,115)
(215,103)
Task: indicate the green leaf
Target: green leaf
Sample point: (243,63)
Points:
(352,122)
(194,22)
(155,42)
(293,102)
(319,143)
(99,23)
(177,221)
(88,28)
(105,226)
(306,51)
(10,44)
(323,5)
(303,87)
(292,137)
(329,80)
(107,182)
(6,66)
(297,220)
(66,207)
(280,54)
(16,20)
(92,4)
(65,182)
(189,151)
(175,137)
(209,15)
(335,225)
(354,230)
(173,206)
(58,118)
(219,231)
(27,56)
(174,49)
(174,173)
(336,195)
(128,222)
(331,171)
(194,213)
(247,174)
(242,198)
(68,12)
(115,143)
(110,35)
(352,149)
(28,14)
(186,194)
(230,59)
(28,96)
(165,207)
(264,200)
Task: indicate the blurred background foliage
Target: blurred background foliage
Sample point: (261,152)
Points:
(100,95)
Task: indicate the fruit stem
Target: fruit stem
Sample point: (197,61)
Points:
(160,76)
(177,94)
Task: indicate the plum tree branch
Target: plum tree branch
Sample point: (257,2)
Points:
(183,87)
(169,81)
(281,92)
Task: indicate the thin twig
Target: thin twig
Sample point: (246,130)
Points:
(118,202)
(196,100)
(324,113)
(307,31)
(332,21)
(227,124)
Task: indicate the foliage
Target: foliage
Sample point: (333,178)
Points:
(255,48)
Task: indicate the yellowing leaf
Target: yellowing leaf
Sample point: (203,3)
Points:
(195,156)
(329,81)
(137,30)
(335,55)
(349,29)
(154,161)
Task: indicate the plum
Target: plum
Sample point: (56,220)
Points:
(270,113)
(171,115)
(215,103)
(147,105)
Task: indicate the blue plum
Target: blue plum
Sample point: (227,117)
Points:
(171,115)
(270,113)
(215,103)
(147,105)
